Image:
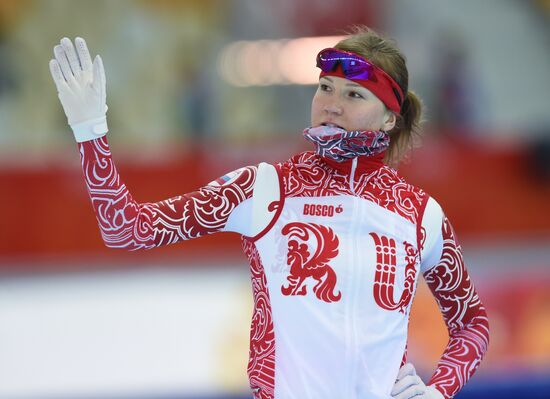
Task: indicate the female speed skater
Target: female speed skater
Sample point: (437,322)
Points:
(335,238)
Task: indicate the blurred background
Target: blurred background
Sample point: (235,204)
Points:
(198,88)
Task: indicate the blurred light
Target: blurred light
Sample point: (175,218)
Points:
(227,63)
(272,62)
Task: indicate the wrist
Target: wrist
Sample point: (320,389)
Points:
(90,129)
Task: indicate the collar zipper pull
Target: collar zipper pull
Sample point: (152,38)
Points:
(352,175)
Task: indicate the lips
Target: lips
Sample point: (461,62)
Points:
(330,124)
(325,130)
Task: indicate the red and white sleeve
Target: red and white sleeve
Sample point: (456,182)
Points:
(124,223)
(463,312)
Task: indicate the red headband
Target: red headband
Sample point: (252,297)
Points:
(379,83)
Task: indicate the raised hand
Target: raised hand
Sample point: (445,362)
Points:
(81,88)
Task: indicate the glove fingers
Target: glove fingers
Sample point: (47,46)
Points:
(57,75)
(83,54)
(70,52)
(405,384)
(99,78)
(407,369)
(63,62)
(414,392)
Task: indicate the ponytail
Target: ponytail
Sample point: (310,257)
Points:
(406,133)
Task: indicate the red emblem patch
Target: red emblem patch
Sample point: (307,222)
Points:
(311,260)
(384,278)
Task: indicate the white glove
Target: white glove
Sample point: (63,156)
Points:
(409,385)
(81,88)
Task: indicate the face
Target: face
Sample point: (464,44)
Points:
(344,103)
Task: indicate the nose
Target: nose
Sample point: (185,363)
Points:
(334,108)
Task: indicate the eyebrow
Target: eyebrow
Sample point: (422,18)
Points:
(347,84)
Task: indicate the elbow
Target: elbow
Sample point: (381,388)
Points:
(128,236)
(117,245)
(473,332)
(477,331)
(129,244)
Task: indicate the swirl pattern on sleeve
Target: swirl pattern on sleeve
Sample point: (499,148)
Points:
(464,315)
(124,223)
(261,363)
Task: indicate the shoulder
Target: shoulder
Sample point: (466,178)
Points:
(389,177)
(243,177)
(306,159)
(432,219)
(304,164)
(305,174)
(391,191)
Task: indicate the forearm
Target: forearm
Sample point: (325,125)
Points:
(124,223)
(464,315)
(462,356)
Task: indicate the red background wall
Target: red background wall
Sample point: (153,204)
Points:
(487,191)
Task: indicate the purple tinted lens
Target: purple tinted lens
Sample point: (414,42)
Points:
(353,67)
(356,68)
(327,64)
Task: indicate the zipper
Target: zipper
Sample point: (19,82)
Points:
(351,308)
(354,296)
(359,272)
(352,355)
(352,175)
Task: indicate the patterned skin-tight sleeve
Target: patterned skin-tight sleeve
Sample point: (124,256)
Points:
(464,315)
(124,223)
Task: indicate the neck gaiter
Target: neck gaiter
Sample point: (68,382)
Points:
(340,145)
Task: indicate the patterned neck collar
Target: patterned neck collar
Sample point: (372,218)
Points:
(365,164)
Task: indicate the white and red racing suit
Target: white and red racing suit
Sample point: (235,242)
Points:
(335,251)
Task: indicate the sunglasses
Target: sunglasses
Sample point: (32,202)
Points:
(355,67)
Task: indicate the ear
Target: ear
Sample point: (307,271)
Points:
(389,121)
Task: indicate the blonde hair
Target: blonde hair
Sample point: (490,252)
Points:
(384,53)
